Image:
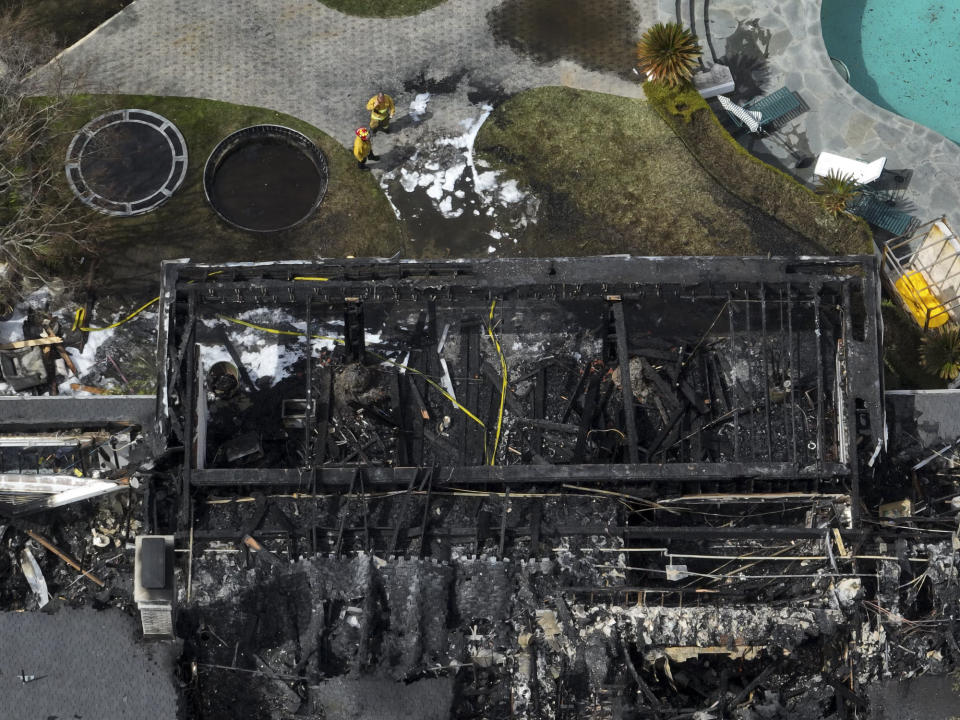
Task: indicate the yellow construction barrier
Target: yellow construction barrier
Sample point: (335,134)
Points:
(922,303)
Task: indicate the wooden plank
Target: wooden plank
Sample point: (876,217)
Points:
(63,556)
(87,388)
(33,342)
(67,360)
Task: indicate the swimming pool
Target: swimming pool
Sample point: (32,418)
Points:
(903,55)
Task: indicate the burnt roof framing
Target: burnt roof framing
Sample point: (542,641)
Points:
(767,312)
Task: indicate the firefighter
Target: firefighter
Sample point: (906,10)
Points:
(362,148)
(381,110)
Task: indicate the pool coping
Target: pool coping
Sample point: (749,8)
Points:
(839,119)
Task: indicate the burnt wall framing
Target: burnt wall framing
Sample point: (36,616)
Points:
(710,375)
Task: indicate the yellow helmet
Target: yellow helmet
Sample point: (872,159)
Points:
(363,133)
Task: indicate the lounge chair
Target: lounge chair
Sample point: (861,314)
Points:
(771,107)
(879,214)
(861,172)
(741,116)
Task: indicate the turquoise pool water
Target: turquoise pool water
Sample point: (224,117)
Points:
(903,55)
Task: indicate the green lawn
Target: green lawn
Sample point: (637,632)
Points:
(381,8)
(65,21)
(612,176)
(354,219)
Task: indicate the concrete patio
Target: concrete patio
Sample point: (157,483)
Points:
(772,43)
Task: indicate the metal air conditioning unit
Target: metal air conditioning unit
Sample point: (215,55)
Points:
(154,588)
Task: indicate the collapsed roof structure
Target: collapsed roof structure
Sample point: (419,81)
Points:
(546,488)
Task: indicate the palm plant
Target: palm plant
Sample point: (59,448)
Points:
(836,190)
(941,352)
(668,53)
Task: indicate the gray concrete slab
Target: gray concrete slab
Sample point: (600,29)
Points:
(383,699)
(86,664)
(922,419)
(929,697)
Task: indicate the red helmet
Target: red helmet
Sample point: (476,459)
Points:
(363,133)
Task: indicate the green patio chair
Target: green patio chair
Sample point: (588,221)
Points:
(772,107)
(879,214)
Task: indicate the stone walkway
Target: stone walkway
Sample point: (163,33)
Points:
(772,43)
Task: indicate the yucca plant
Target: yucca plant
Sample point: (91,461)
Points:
(668,53)
(941,352)
(836,190)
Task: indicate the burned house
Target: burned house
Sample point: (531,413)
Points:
(549,488)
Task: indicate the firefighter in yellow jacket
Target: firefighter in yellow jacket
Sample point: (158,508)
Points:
(362,149)
(381,111)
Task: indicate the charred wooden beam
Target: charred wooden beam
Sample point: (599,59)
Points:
(536,517)
(667,394)
(766,369)
(332,477)
(574,394)
(539,410)
(566,428)
(493,377)
(733,349)
(354,332)
(471,441)
(405,504)
(589,413)
(686,389)
(322,413)
(820,380)
(397,407)
(503,522)
(426,515)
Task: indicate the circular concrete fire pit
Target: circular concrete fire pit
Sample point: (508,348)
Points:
(265,178)
(126,162)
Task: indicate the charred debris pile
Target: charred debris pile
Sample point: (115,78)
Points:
(558,488)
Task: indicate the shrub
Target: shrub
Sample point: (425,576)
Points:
(668,53)
(941,352)
(836,190)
